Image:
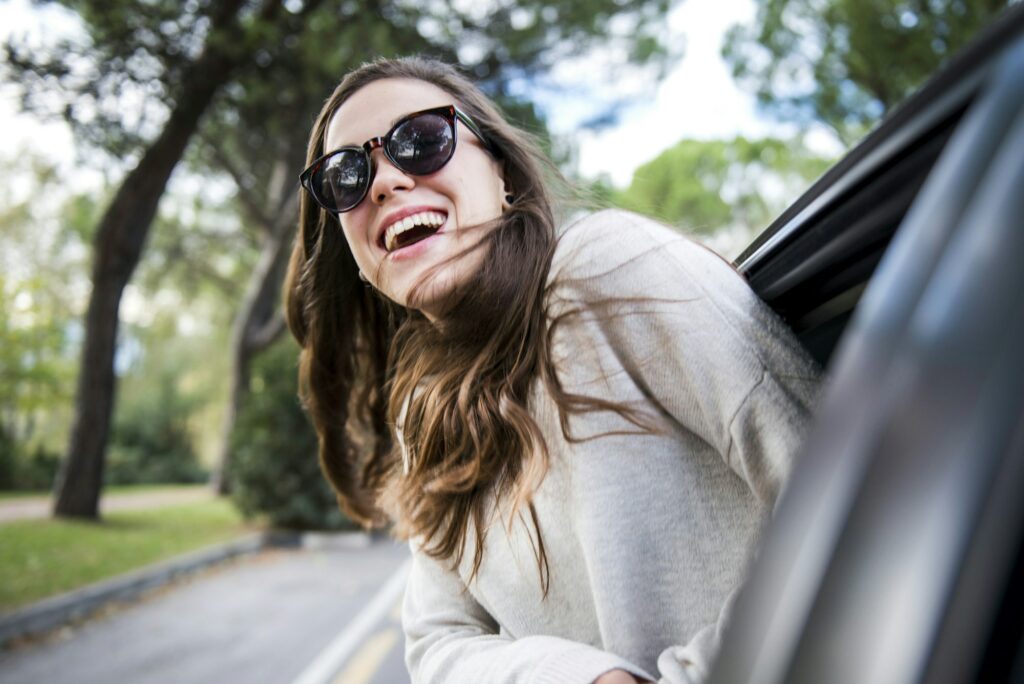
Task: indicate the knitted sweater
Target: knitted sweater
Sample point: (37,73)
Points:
(647,535)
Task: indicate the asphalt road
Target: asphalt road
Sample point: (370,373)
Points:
(291,616)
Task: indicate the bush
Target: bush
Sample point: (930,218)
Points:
(151,442)
(274,467)
(24,469)
(36,470)
(8,460)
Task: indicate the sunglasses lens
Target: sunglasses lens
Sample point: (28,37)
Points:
(341,180)
(422,144)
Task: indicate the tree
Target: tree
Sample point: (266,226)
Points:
(848,62)
(705,185)
(124,226)
(183,59)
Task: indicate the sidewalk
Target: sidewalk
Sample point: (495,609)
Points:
(37,507)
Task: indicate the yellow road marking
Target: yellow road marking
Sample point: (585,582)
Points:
(366,661)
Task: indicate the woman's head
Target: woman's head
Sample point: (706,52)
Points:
(492,162)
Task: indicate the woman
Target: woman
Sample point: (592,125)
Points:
(591,423)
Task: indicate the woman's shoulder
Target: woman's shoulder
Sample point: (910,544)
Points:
(619,253)
(601,241)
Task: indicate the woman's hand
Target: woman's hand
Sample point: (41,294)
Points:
(617,677)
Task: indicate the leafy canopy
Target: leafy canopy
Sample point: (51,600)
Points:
(848,62)
(705,185)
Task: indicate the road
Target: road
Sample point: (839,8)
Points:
(299,616)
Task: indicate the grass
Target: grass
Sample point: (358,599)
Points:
(41,558)
(21,494)
(107,491)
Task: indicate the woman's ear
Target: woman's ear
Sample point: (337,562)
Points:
(509,197)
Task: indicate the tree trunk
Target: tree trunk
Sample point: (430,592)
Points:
(257,326)
(118,245)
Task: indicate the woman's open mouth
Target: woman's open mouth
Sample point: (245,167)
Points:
(412,229)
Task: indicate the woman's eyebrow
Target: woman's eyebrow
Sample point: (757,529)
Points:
(391,124)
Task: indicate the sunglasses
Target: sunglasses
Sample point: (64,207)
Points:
(418,144)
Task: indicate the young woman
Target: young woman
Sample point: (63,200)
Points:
(581,426)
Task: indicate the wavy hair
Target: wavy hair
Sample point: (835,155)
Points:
(458,388)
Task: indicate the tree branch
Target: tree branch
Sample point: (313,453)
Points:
(252,208)
(267,334)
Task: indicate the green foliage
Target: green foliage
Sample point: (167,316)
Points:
(167,379)
(705,185)
(129,52)
(26,469)
(42,282)
(848,62)
(199,251)
(275,470)
(42,558)
(151,441)
(8,460)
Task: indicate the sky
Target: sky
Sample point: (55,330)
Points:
(697,99)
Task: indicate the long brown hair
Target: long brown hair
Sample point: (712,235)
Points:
(462,382)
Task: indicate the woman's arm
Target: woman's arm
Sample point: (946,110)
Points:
(694,337)
(706,350)
(451,639)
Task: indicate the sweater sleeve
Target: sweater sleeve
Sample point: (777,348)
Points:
(451,638)
(695,339)
(705,350)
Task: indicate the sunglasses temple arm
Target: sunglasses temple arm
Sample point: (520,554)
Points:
(471,125)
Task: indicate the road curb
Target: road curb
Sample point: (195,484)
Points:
(50,613)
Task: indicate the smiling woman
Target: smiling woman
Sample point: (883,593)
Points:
(580,428)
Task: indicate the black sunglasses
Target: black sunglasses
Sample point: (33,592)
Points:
(418,144)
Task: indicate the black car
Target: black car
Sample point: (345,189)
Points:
(895,555)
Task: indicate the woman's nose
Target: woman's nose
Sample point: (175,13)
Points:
(387,179)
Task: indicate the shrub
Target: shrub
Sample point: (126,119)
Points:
(151,442)
(36,469)
(8,460)
(274,468)
(25,468)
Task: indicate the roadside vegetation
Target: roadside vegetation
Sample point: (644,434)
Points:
(112,491)
(43,558)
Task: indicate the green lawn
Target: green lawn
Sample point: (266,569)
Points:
(40,558)
(107,491)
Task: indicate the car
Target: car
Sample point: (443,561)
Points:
(895,552)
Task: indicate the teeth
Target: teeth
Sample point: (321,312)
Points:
(432,219)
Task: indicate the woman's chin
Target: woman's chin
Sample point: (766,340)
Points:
(431,289)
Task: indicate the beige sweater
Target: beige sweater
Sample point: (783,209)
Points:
(647,536)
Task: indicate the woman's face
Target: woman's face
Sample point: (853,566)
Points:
(467,191)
